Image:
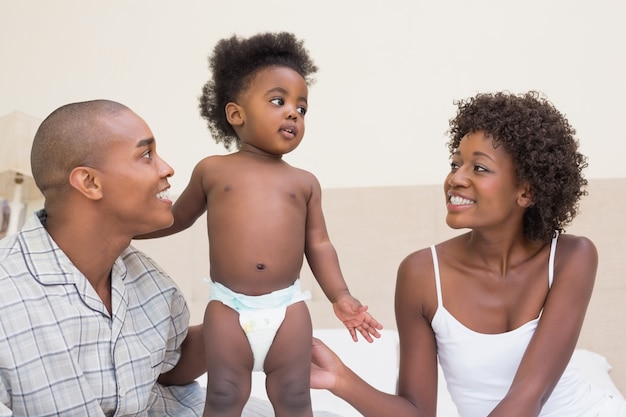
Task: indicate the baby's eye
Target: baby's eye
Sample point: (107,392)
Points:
(278,101)
(301,110)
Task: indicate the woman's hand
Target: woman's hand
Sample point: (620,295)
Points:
(325,366)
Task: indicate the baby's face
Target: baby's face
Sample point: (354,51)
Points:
(272,110)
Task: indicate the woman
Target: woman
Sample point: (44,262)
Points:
(501,306)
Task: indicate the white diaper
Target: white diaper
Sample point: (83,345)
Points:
(260,316)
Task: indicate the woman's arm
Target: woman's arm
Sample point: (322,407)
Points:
(555,339)
(329,372)
(417,384)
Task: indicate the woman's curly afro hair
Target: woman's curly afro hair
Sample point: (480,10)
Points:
(544,150)
(234,63)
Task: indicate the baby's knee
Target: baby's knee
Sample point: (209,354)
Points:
(224,396)
(290,394)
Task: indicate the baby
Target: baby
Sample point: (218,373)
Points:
(264,216)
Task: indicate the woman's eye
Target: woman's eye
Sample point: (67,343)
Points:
(277,101)
(479,168)
(454,165)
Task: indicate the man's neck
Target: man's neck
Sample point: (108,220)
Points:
(91,251)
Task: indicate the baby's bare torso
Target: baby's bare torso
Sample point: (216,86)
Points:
(257,209)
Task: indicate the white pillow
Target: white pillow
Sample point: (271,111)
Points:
(596,368)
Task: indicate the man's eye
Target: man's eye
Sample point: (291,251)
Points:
(277,101)
(148,155)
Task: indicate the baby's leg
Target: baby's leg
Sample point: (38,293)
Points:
(288,364)
(229,362)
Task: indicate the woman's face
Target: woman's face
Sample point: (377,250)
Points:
(482,189)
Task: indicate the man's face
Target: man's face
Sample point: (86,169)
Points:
(134,178)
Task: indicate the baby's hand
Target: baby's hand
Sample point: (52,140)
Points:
(355,317)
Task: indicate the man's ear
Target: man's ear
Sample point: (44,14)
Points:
(234,113)
(86,181)
(526,198)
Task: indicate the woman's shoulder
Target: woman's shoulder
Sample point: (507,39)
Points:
(573,245)
(416,282)
(417,258)
(576,256)
(424,257)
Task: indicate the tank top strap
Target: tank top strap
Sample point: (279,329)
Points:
(437,279)
(551,261)
(433,251)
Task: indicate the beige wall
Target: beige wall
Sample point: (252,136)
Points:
(374,228)
(389,71)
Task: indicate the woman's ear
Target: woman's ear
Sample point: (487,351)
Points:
(526,198)
(86,181)
(234,114)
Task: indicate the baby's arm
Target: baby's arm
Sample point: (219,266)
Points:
(322,258)
(188,207)
(355,317)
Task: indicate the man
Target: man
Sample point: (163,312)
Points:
(89,326)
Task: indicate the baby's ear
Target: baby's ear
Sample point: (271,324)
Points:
(234,114)
(86,181)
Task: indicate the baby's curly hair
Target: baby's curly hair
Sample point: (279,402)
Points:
(234,63)
(544,150)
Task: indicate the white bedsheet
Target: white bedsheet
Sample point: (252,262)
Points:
(377,363)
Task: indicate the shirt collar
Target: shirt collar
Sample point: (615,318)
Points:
(46,261)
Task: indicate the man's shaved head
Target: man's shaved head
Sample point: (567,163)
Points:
(73,135)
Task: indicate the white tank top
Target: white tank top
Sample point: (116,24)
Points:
(479,368)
